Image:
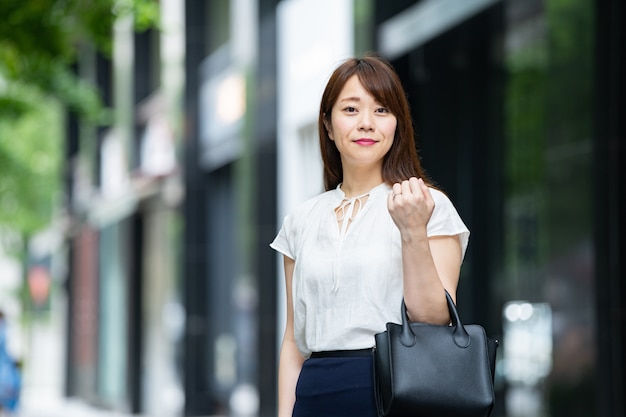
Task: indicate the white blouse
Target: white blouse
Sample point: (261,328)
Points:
(347,283)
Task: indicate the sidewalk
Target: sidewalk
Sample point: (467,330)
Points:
(49,406)
(46,405)
(72,408)
(42,378)
(68,408)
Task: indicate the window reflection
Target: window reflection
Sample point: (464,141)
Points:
(548,342)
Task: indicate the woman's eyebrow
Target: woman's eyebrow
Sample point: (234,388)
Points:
(351,99)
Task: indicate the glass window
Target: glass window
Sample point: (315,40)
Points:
(548,242)
(503,108)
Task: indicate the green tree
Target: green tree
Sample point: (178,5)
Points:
(39,44)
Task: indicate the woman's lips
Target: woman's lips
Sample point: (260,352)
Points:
(365,141)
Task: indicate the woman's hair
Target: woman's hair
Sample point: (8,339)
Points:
(381,81)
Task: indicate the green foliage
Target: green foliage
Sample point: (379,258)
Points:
(39,44)
(39,40)
(30,151)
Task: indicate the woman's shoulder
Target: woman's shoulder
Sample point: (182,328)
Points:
(313,205)
(439,196)
(444,206)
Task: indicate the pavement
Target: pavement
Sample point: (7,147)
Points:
(42,404)
(42,393)
(56,406)
(67,408)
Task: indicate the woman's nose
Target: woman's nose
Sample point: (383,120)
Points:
(365,122)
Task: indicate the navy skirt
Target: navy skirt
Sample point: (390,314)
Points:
(332,384)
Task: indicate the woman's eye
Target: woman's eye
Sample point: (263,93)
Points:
(382,110)
(350,109)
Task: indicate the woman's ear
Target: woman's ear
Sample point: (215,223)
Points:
(327,126)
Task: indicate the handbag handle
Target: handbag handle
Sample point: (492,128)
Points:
(459,334)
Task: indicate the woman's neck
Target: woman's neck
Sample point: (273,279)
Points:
(357,183)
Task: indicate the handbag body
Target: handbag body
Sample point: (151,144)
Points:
(426,370)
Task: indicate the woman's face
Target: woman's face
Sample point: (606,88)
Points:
(362,129)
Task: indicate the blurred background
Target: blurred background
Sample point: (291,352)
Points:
(150,149)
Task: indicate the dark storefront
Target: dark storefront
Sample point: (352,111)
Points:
(516,106)
(229,271)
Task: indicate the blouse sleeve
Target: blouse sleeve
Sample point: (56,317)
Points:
(283,242)
(445,220)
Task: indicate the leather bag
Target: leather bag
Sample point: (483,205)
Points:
(427,370)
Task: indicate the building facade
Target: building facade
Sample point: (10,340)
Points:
(123,187)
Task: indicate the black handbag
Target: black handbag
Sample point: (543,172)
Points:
(427,370)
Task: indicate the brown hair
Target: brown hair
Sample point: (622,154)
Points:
(381,81)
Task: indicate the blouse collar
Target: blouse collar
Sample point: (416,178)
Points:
(380,188)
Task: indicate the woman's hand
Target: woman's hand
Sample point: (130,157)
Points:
(411,205)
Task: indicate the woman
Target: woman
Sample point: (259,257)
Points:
(379,233)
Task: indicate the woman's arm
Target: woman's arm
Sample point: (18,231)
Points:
(428,265)
(290,358)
